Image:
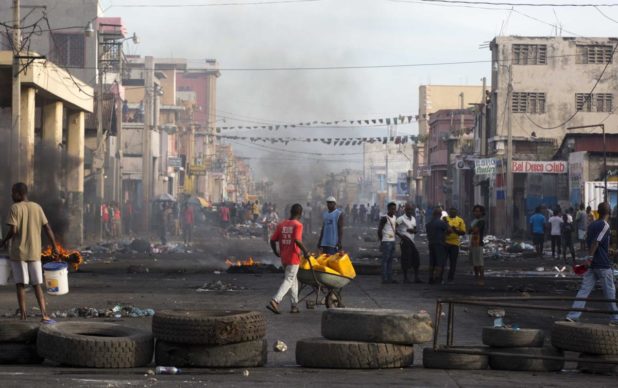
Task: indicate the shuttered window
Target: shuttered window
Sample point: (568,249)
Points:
(529,54)
(528,102)
(68,49)
(594,54)
(600,102)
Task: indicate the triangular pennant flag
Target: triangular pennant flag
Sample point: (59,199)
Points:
(381,121)
(409,119)
(359,121)
(398,140)
(384,140)
(395,120)
(367,122)
(404,140)
(336,122)
(388,121)
(373,121)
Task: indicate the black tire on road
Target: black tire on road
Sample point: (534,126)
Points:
(19,353)
(526,364)
(95,345)
(18,331)
(208,327)
(593,367)
(324,353)
(585,337)
(377,325)
(500,337)
(243,354)
(442,359)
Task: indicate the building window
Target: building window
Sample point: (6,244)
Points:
(529,54)
(600,102)
(68,49)
(528,102)
(591,54)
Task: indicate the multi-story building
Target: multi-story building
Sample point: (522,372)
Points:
(433,98)
(540,87)
(387,169)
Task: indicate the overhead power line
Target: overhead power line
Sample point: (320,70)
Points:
(195,5)
(502,3)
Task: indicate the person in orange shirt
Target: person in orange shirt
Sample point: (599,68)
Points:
(288,234)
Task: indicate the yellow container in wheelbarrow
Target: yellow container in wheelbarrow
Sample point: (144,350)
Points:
(342,264)
(304,263)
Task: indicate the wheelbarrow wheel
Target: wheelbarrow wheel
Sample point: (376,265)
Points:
(333,300)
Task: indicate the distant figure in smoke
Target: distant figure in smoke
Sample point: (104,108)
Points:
(105,219)
(331,235)
(26,219)
(164,222)
(188,219)
(354,214)
(387,230)
(477,233)
(128,217)
(307,214)
(289,235)
(270,221)
(362,214)
(225,216)
(256,211)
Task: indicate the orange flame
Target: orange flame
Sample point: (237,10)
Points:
(72,257)
(245,263)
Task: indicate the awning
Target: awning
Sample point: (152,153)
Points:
(195,200)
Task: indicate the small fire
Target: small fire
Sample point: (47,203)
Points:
(245,263)
(72,257)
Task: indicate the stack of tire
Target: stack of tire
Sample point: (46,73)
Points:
(18,342)
(365,339)
(594,342)
(95,345)
(520,342)
(209,338)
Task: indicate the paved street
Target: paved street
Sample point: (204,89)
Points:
(172,281)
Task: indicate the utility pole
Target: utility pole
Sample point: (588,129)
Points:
(509,157)
(15,154)
(99,155)
(146,141)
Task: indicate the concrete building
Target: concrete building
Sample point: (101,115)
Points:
(50,137)
(540,86)
(387,169)
(433,98)
(450,149)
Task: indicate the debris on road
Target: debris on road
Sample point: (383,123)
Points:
(280,346)
(220,286)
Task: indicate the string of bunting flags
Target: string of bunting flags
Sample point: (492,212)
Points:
(340,141)
(401,119)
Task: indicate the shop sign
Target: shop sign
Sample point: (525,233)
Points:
(485,166)
(174,161)
(196,169)
(535,167)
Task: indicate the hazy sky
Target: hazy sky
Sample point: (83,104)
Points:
(339,33)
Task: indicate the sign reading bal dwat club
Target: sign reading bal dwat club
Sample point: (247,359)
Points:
(536,167)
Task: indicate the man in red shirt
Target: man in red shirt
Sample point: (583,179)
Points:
(289,234)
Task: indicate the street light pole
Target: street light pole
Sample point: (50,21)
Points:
(605,196)
(509,158)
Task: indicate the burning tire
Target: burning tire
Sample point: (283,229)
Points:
(499,337)
(526,364)
(324,353)
(374,325)
(443,359)
(18,331)
(593,367)
(208,327)
(585,337)
(19,353)
(244,354)
(95,345)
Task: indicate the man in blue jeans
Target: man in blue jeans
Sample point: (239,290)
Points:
(599,265)
(537,223)
(387,229)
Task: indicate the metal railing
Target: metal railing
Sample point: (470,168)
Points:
(503,302)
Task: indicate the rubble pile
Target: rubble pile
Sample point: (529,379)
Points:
(245,231)
(220,286)
(118,311)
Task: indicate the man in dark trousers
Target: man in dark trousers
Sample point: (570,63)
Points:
(599,266)
(437,229)
(26,221)
(387,230)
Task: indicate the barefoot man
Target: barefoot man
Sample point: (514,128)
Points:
(26,219)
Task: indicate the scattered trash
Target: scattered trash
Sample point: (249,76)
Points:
(217,272)
(220,286)
(117,311)
(150,372)
(540,269)
(245,373)
(167,370)
(280,346)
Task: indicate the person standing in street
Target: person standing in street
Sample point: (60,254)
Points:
(477,233)
(581,220)
(331,234)
(599,266)
(288,234)
(387,229)
(458,227)
(567,236)
(406,230)
(437,229)
(537,224)
(188,220)
(26,221)
(555,223)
